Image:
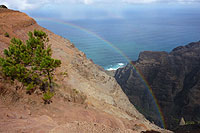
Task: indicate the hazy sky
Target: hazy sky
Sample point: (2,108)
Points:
(33,4)
(80,9)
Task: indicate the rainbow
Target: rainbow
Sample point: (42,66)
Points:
(120,52)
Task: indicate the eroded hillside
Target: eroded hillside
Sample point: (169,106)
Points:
(87,99)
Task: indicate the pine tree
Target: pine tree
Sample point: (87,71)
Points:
(31,63)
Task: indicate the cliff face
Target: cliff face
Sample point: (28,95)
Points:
(174,78)
(97,97)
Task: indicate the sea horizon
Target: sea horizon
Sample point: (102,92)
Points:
(113,42)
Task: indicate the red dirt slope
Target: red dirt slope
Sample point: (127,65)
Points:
(87,99)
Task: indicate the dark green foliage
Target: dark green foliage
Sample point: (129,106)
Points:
(192,122)
(31,63)
(3,6)
(6,34)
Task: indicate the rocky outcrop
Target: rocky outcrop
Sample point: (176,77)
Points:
(98,98)
(175,81)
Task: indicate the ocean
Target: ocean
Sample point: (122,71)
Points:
(112,42)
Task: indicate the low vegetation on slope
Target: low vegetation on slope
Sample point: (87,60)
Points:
(31,64)
(3,6)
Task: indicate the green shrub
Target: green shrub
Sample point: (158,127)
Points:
(47,97)
(192,122)
(189,122)
(3,6)
(31,63)
(6,34)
